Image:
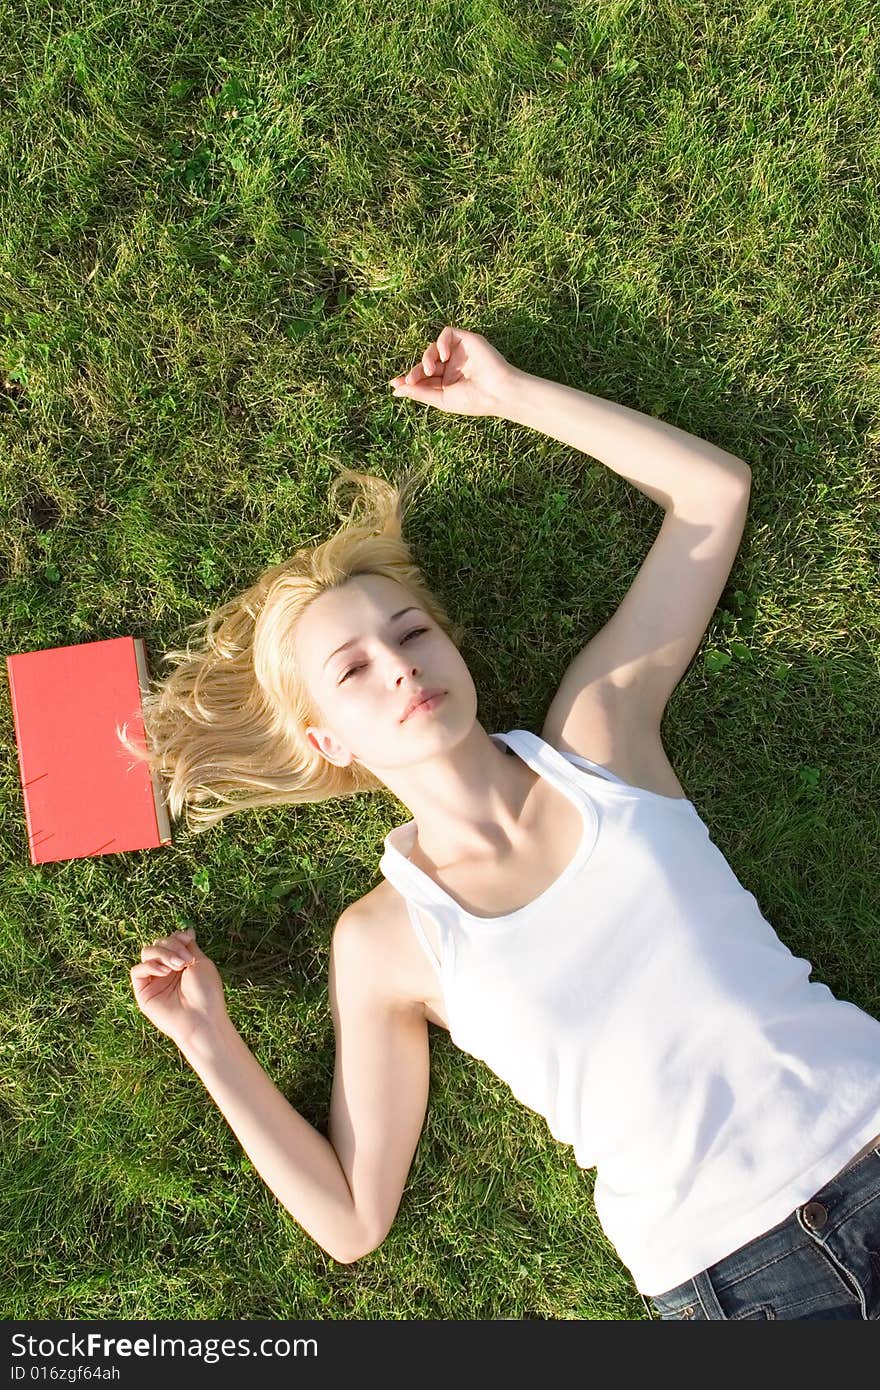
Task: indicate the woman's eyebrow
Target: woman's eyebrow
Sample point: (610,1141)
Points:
(350,643)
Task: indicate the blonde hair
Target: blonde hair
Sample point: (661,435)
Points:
(231,717)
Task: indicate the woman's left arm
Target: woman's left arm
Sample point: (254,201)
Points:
(667,464)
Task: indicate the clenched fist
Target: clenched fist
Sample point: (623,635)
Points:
(178,988)
(461,373)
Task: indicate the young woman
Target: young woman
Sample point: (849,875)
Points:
(555,901)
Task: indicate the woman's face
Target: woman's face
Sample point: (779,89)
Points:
(388,657)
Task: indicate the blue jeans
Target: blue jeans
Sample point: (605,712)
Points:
(823,1261)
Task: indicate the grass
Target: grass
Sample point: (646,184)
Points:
(225,227)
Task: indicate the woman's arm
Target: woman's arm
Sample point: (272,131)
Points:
(667,464)
(463,373)
(300,1166)
(344,1191)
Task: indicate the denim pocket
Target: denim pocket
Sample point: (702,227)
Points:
(684,1311)
(801,1281)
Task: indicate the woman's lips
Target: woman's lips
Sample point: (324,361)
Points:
(426,706)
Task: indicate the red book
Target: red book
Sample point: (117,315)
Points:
(84,793)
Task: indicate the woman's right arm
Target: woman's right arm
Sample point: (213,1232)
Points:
(345,1194)
(291,1156)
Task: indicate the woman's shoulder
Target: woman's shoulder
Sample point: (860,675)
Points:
(377,907)
(382,915)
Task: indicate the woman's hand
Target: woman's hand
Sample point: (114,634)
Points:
(461,372)
(178,988)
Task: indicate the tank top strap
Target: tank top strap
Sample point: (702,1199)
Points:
(578,760)
(421,935)
(395,865)
(415,887)
(551,759)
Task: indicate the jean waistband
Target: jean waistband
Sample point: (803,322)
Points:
(838,1194)
(871,1144)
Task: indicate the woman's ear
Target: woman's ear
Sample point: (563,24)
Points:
(324,743)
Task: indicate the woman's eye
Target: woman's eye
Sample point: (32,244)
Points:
(414,633)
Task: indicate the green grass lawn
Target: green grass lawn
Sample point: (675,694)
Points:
(223,228)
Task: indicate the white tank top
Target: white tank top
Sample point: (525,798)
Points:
(644,1006)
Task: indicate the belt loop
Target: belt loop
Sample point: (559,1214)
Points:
(706,1294)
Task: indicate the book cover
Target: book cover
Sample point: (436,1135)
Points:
(83,792)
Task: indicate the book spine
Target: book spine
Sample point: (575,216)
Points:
(163,822)
(22,777)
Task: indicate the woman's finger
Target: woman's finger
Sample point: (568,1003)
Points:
(170,943)
(177,956)
(185,936)
(149,969)
(437,352)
